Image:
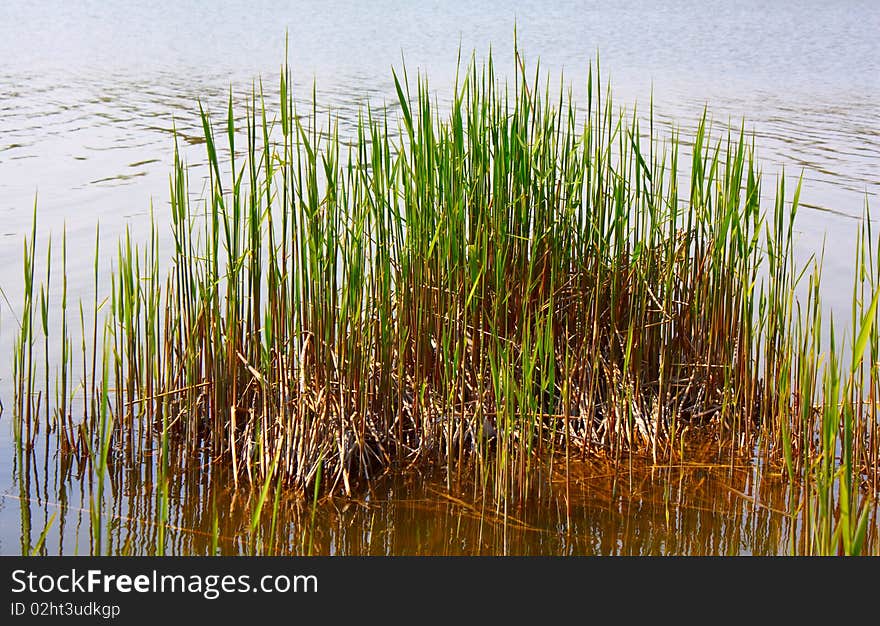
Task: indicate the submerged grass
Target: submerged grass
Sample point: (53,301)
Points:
(473,286)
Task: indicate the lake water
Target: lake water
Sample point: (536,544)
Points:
(90,92)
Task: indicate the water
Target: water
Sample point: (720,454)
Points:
(90,93)
(706,505)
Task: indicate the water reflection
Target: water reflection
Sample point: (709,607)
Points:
(704,504)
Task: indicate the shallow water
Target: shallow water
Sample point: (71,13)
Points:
(90,94)
(705,504)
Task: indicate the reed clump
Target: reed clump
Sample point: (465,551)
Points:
(508,275)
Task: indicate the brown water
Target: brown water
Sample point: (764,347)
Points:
(704,504)
(91,91)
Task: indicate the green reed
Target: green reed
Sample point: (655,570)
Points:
(511,275)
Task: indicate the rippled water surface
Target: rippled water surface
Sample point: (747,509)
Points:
(91,91)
